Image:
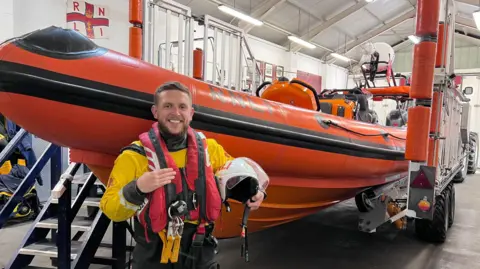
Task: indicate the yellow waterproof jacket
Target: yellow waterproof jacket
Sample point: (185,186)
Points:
(130,165)
(7,166)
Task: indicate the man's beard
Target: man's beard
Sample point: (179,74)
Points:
(174,142)
(165,132)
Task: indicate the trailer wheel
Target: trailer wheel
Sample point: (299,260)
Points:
(362,200)
(473,155)
(435,230)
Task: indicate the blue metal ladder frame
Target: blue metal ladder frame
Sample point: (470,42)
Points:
(65,211)
(52,153)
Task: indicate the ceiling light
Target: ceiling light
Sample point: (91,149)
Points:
(414,39)
(301,42)
(476,18)
(239,15)
(341,57)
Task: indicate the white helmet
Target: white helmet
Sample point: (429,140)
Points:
(240,179)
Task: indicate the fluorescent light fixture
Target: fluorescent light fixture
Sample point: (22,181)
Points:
(414,39)
(239,15)
(340,57)
(476,18)
(301,42)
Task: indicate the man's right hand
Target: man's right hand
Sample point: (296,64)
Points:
(153,180)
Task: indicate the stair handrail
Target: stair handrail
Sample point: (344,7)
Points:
(12,145)
(52,153)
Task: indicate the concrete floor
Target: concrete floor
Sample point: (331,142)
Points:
(330,239)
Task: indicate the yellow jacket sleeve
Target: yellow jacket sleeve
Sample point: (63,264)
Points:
(116,204)
(218,156)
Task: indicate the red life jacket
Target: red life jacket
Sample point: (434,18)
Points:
(199,180)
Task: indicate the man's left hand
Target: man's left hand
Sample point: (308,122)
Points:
(258,199)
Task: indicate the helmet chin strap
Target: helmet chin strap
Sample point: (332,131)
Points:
(244,234)
(244,249)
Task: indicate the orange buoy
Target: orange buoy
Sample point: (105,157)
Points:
(417,134)
(135,45)
(135,12)
(428,12)
(423,70)
(441,58)
(198,64)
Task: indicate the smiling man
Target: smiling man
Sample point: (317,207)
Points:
(170,152)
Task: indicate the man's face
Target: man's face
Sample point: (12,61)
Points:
(174,112)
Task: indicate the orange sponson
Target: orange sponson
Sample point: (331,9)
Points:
(198,64)
(442,42)
(417,134)
(427,17)
(423,70)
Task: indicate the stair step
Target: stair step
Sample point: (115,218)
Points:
(47,248)
(79,224)
(81,179)
(89,201)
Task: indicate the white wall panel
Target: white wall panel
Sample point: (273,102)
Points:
(33,15)
(465,58)
(6,20)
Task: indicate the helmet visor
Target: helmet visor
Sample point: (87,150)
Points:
(241,188)
(234,181)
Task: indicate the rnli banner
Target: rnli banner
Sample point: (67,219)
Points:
(89,19)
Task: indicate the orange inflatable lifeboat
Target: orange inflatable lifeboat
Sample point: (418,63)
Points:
(62,87)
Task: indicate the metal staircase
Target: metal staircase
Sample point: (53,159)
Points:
(62,216)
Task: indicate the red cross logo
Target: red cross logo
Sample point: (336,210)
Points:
(87,17)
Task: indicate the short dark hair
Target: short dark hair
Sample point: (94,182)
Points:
(171,85)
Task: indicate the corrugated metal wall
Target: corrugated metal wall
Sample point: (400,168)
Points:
(465,58)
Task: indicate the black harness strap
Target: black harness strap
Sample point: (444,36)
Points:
(201,189)
(200,183)
(170,190)
(134,147)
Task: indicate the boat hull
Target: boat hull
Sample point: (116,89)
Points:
(96,102)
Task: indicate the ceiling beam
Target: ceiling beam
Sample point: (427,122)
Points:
(469,39)
(369,35)
(322,27)
(261,12)
(405,43)
(465,22)
(469,2)
(319,20)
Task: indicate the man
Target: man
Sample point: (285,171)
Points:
(139,173)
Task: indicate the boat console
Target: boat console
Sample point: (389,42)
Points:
(346,103)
